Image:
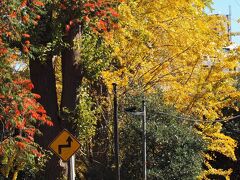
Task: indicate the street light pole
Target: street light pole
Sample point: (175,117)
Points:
(142,113)
(144,140)
(116,138)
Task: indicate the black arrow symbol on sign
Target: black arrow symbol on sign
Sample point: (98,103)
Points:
(68,145)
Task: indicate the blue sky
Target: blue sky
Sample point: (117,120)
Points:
(222,7)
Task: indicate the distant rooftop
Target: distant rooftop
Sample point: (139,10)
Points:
(231,47)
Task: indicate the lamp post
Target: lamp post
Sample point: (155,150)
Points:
(144,123)
(115,125)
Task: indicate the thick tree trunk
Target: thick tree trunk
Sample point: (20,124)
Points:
(72,75)
(43,78)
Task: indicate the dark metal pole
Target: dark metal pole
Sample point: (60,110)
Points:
(144,140)
(116,138)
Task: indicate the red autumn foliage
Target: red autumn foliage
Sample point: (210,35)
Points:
(8,34)
(27,42)
(102,25)
(67,28)
(90,6)
(86,19)
(38,3)
(38,17)
(21,111)
(113,12)
(23,15)
(21,145)
(25,18)
(26,35)
(99,15)
(37,153)
(71,23)
(13,14)
(24,3)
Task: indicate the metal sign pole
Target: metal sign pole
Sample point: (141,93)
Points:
(72,168)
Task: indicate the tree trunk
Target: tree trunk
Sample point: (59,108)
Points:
(72,75)
(43,77)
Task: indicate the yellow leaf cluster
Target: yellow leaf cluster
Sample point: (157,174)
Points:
(217,141)
(213,171)
(175,45)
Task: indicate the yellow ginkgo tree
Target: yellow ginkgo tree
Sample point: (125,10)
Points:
(175,45)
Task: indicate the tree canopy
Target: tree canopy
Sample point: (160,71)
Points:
(76,49)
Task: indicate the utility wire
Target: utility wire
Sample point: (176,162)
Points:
(237,3)
(196,120)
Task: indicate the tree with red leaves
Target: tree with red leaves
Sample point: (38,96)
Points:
(20,118)
(20,113)
(37,30)
(57,29)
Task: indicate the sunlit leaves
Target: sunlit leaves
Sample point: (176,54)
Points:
(176,46)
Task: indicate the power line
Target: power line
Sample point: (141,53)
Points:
(237,3)
(197,120)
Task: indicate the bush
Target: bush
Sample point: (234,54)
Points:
(174,149)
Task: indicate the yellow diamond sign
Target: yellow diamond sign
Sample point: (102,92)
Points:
(64,145)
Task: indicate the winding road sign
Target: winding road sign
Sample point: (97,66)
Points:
(64,145)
